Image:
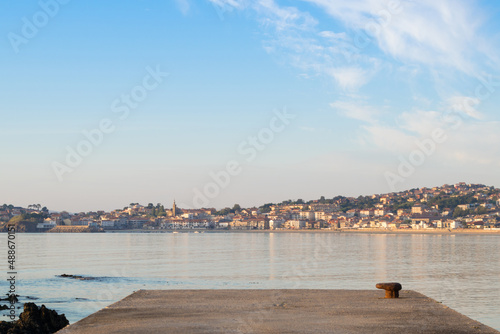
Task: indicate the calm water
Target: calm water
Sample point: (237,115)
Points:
(461,271)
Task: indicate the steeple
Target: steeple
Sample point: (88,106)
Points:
(174,209)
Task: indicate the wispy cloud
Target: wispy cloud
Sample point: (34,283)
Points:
(183,6)
(356,110)
(438,34)
(387,139)
(420,122)
(293,37)
(238,4)
(283,19)
(333,35)
(349,78)
(468,141)
(466,105)
(428,32)
(440,43)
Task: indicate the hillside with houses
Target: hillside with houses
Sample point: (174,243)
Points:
(458,206)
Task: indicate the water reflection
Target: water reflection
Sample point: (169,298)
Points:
(461,271)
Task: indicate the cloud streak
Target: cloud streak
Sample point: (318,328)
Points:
(434,33)
(438,34)
(183,5)
(356,111)
(437,49)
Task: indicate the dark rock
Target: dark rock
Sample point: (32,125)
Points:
(6,327)
(3,307)
(391,289)
(11,298)
(70,276)
(35,320)
(76,277)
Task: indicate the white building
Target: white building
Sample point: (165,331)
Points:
(295,224)
(108,223)
(276,223)
(307,215)
(322,215)
(421,225)
(366,213)
(47,224)
(222,224)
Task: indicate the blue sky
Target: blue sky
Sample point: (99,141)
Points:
(380,96)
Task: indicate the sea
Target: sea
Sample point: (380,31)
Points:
(460,271)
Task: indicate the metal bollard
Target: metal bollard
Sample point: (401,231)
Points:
(391,289)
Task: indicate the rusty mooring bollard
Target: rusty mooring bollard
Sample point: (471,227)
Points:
(391,289)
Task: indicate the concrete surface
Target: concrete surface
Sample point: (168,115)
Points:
(276,311)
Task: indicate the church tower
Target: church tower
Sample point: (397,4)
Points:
(174,210)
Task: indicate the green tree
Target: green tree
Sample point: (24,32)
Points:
(223,212)
(481,210)
(17,219)
(266,208)
(459,212)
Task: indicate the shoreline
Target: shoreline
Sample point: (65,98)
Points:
(339,231)
(351,231)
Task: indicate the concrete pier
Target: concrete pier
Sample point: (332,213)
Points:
(276,311)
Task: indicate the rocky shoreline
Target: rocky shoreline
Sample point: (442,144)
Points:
(35,320)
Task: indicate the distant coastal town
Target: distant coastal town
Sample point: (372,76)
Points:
(458,206)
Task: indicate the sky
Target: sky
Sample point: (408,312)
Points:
(217,102)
